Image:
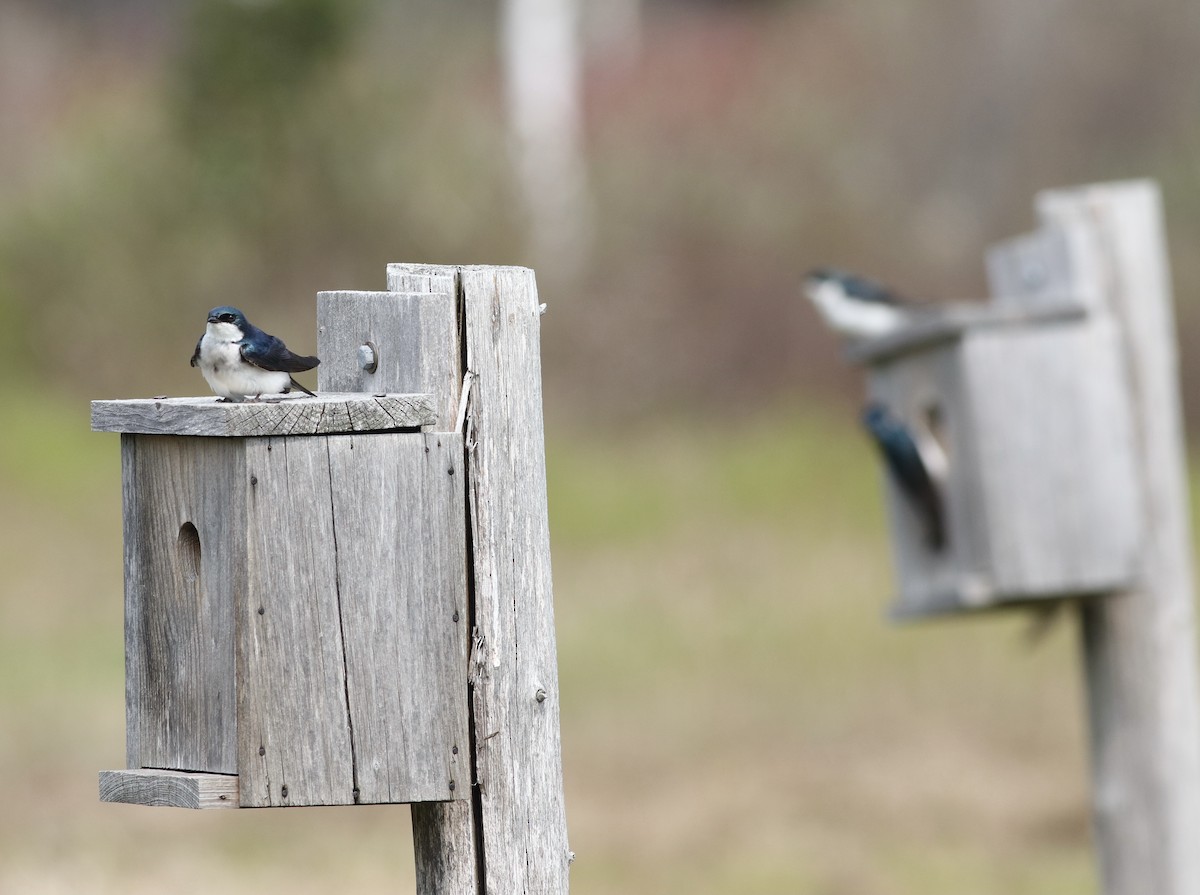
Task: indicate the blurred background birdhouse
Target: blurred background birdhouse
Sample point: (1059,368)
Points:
(1018,411)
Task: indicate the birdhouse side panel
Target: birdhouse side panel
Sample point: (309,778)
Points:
(183,566)
(293,726)
(399,512)
(1057,453)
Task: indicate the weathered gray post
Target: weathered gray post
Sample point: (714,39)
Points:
(300,590)
(1138,645)
(511,836)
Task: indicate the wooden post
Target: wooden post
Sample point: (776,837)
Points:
(1139,646)
(510,837)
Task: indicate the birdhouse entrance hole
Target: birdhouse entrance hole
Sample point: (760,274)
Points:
(189,552)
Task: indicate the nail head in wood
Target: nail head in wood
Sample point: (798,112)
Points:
(368,357)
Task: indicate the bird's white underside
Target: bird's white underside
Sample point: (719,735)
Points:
(851,317)
(227,374)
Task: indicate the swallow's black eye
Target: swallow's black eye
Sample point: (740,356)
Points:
(226,318)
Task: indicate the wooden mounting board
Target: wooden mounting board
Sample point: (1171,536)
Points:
(174,789)
(303,415)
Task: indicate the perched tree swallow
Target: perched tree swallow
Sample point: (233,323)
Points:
(854,306)
(914,465)
(239,360)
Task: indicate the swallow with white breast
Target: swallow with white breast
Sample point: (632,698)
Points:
(854,306)
(239,360)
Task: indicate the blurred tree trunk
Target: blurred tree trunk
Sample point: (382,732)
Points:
(615,31)
(542,62)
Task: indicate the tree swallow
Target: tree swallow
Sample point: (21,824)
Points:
(238,359)
(916,464)
(854,306)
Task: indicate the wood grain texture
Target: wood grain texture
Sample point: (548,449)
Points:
(444,848)
(173,789)
(518,817)
(291,415)
(293,724)
(401,574)
(445,834)
(183,562)
(441,279)
(1139,646)
(515,668)
(415,337)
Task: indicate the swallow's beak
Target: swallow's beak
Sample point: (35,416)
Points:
(212,318)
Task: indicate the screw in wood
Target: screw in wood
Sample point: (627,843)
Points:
(540,695)
(368,357)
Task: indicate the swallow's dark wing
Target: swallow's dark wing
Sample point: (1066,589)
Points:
(904,462)
(196,354)
(269,353)
(858,287)
(868,290)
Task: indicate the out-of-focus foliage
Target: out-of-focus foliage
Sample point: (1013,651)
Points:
(256,152)
(229,178)
(244,86)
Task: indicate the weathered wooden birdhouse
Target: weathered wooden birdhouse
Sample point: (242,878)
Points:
(296,597)
(1025,405)
(346,599)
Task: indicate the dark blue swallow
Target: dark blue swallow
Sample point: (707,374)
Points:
(239,360)
(908,468)
(855,306)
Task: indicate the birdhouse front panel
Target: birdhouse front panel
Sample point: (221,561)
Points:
(352,664)
(296,605)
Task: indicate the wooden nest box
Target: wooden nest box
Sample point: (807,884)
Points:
(296,603)
(1027,401)
(346,599)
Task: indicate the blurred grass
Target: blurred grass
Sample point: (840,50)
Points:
(737,716)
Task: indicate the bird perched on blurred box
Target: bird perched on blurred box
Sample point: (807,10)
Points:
(854,306)
(916,463)
(239,360)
